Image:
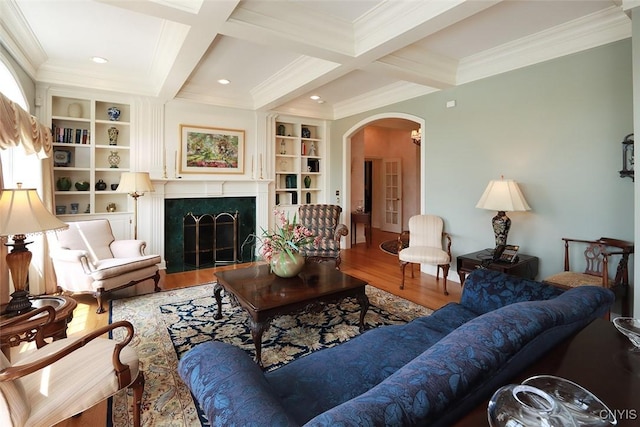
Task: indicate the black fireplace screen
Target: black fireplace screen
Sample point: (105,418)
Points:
(210,239)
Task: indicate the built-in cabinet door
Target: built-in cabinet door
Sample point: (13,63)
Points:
(392,218)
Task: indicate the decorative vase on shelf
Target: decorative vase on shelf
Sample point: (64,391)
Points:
(74,110)
(113,135)
(306,133)
(82,185)
(63,183)
(307,181)
(114,113)
(114,159)
(101,185)
(285,266)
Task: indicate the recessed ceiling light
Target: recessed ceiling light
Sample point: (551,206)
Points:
(224,81)
(99,60)
(320,101)
(314,97)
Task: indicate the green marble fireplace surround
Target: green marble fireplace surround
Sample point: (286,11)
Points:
(175,211)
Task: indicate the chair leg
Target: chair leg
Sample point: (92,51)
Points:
(138,389)
(445,273)
(338,261)
(99,297)
(156,280)
(403,265)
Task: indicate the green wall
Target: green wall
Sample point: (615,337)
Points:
(554,127)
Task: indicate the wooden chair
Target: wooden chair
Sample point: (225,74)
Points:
(68,376)
(598,255)
(425,246)
(324,221)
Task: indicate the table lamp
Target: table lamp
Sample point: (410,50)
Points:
(136,184)
(502,195)
(22,213)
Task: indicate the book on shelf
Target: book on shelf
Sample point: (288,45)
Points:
(69,135)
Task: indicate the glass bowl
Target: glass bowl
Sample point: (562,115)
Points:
(630,327)
(585,408)
(523,405)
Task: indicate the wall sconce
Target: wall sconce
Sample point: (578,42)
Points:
(416,136)
(627,157)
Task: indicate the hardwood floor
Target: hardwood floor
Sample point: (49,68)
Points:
(378,268)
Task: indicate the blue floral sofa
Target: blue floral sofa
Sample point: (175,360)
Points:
(430,371)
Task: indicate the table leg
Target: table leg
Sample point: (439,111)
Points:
(257,330)
(462,275)
(364,306)
(217,289)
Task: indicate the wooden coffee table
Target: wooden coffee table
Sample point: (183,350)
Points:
(265,296)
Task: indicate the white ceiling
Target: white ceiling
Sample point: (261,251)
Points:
(355,54)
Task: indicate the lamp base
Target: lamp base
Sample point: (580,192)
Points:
(501,225)
(19,303)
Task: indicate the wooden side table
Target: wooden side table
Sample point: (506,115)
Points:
(361,218)
(13,335)
(526,266)
(599,358)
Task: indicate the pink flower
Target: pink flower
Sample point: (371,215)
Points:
(288,237)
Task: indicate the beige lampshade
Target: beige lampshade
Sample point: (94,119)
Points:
(503,195)
(135,183)
(22,212)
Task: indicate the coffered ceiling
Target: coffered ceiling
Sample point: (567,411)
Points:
(354,54)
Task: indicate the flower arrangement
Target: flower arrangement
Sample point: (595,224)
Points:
(287,237)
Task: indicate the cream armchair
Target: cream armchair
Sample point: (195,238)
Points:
(68,376)
(87,259)
(426,238)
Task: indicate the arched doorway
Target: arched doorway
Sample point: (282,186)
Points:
(396,128)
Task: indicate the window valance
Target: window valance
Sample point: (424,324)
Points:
(18,127)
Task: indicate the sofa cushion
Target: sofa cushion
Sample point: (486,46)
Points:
(487,290)
(14,405)
(217,373)
(324,379)
(79,234)
(112,267)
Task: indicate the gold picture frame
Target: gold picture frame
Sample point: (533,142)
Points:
(210,150)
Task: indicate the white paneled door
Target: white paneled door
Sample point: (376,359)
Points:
(392,220)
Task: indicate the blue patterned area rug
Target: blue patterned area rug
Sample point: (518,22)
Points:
(169,323)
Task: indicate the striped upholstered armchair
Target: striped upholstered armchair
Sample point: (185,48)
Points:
(323,221)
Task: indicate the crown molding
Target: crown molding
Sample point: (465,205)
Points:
(171,40)
(291,80)
(13,27)
(387,95)
(596,29)
(87,77)
(288,24)
(414,65)
(201,97)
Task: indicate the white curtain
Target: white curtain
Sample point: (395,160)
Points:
(18,128)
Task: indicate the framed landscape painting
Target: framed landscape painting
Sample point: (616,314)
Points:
(211,150)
